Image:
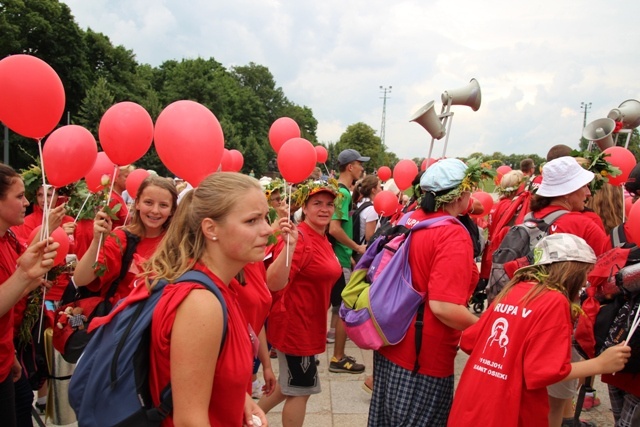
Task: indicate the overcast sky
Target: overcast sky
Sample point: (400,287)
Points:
(535,61)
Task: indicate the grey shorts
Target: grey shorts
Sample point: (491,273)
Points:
(565,389)
(298,375)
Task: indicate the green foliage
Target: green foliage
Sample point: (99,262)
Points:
(97,101)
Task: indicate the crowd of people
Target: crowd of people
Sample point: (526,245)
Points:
(281,257)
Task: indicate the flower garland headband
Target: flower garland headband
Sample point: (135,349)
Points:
(275,185)
(477,171)
(309,188)
(596,163)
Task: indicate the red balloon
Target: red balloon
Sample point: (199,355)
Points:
(281,131)
(296,160)
(500,172)
(102,166)
(238,160)
(126,132)
(385,203)
(32,100)
(58,236)
(384,173)
(134,180)
(426,163)
(322,154)
(628,202)
(189,140)
(68,155)
(624,160)
(634,220)
(226,164)
(404,173)
(486,200)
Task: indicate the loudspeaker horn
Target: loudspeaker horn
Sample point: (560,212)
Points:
(428,119)
(628,113)
(469,95)
(599,131)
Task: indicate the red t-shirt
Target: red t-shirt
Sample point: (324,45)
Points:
(83,236)
(516,352)
(575,223)
(111,255)
(254,296)
(442,265)
(496,212)
(234,364)
(298,318)
(8,261)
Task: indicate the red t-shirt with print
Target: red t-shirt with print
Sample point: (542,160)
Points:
(442,265)
(516,352)
(298,318)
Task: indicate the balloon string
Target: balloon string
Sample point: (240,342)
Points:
(44,228)
(288,197)
(81,208)
(623,209)
(44,294)
(327,169)
(129,208)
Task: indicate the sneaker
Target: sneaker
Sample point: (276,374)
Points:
(40,407)
(331,336)
(346,365)
(590,401)
(256,389)
(568,422)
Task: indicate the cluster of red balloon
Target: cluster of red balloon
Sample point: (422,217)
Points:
(297,157)
(232,161)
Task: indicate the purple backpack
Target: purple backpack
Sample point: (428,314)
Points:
(380,302)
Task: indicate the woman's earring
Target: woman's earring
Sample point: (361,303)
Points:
(214,238)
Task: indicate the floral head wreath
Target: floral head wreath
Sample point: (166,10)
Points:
(601,168)
(309,188)
(477,171)
(275,185)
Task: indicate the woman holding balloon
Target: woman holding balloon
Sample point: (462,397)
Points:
(21,271)
(155,204)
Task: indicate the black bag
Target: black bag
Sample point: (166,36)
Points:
(71,342)
(355,217)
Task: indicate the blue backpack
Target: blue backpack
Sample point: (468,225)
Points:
(110,385)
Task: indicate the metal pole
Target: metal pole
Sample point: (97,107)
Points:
(385,90)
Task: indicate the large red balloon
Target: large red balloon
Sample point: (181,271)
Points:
(58,236)
(68,155)
(126,132)
(102,166)
(624,160)
(404,173)
(384,173)
(281,131)
(385,203)
(189,140)
(31,96)
(237,160)
(322,154)
(486,200)
(134,180)
(296,160)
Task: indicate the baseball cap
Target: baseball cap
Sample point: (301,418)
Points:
(350,155)
(562,247)
(445,174)
(563,176)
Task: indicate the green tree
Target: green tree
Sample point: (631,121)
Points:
(97,101)
(361,137)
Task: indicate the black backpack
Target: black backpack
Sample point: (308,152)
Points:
(518,243)
(355,217)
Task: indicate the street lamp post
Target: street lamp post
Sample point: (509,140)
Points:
(385,91)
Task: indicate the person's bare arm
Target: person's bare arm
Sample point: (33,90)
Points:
(453,315)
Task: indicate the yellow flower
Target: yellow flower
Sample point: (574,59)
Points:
(604,173)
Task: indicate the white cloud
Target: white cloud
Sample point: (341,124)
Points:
(535,62)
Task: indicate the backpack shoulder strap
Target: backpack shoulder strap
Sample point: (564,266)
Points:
(548,219)
(362,207)
(618,238)
(127,258)
(431,221)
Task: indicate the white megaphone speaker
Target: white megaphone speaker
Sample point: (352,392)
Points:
(599,131)
(428,119)
(469,95)
(628,113)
